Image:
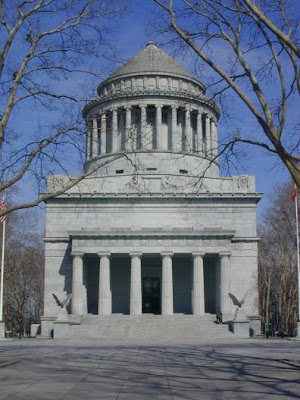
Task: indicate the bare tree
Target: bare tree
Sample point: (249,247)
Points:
(49,50)
(251,49)
(278,262)
(24,271)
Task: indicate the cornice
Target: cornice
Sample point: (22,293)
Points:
(153,234)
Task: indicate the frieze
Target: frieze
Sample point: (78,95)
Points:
(150,242)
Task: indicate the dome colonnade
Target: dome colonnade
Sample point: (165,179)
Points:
(151,106)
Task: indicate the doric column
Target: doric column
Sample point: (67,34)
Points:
(104,305)
(103,134)
(136,284)
(198,285)
(225,302)
(77,284)
(214,140)
(199,132)
(176,145)
(143,127)
(95,138)
(115,139)
(188,131)
(207,135)
(128,131)
(158,127)
(88,139)
(167,284)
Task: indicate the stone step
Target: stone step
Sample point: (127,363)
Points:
(148,327)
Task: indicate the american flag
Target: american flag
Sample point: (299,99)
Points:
(2,207)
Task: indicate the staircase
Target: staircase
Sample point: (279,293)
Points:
(149,327)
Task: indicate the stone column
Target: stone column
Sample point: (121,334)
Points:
(199,146)
(136,284)
(77,284)
(128,130)
(95,138)
(176,145)
(208,135)
(167,284)
(214,140)
(188,131)
(115,139)
(88,139)
(143,128)
(225,301)
(198,285)
(103,134)
(104,305)
(84,291)
(158,127)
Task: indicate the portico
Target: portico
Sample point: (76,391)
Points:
(149,282)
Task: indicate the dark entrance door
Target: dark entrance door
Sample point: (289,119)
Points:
(151,295)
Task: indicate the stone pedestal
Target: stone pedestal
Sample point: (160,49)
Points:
(61,329)
(240,327)
(34,328)
(255,324)
(2,330)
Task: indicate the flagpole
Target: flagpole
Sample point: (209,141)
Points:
(2,269)
(298,262)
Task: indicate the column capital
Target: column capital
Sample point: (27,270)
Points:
(103,114)
(136,254)
(225,253)
(113,109)
(167,253)
(104,254)
(198,253)
(142,106)
(127,108)
(158,106)
(77,254)
(173,107)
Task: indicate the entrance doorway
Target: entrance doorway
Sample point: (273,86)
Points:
(151,296)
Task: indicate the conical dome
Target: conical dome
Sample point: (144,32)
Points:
(151,60)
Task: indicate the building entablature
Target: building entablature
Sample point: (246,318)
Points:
(151,98)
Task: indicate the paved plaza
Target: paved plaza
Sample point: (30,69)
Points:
(240,369)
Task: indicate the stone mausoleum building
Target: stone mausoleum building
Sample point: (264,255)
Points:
(151,242)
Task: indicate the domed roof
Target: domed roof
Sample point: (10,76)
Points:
(151,60)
